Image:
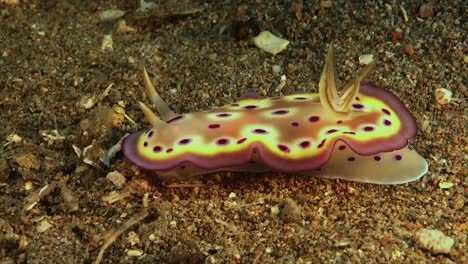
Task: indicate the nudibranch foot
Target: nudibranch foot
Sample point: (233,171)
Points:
(394,167)
(187,170)
(360,135)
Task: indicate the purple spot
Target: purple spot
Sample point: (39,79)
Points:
(331,131)
(387,122)
(295,124)
(157,149)
(368,129)
(222,141)
(250,107)
(385,111)
(234,104)
(349,133)
(151,133)
(182,167)
(304,144)
(300,98)
(321,143)
(169,150)
(145,144)
(313,119)
(280,112)
(283,148)
(259,131)
(398,157)
(242,140)
(184,141)
(343,147)
(223,115)
(339,121)
(351,159)
(175,119)
(377,158)
(358,106)
(214,126)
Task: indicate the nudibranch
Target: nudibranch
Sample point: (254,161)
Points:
(359,135)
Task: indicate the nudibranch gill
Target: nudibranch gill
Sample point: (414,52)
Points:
(359,135)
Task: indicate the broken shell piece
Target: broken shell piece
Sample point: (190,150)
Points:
(13,138)
(366,59)
(434,241)
(118,116)
(111,14)
(443,96)
(268,42)
(116,178)
(107,43)
(123,28)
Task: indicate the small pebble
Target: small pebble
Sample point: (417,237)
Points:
(396,36)
(43,226)
(426,11)
(268,42)
(276,68)
(409,50)
(366,59)
(275,210)
(434,241)
(326,4)
(28,186)
(443,96)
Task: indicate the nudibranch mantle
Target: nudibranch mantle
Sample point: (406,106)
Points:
(365,138)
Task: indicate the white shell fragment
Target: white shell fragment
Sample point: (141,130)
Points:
(111,14)
(116,178)
(443,96)
(270,43)
(434,241)
(134,253)
(366,59)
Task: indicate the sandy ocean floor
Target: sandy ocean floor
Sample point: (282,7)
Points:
(58,204)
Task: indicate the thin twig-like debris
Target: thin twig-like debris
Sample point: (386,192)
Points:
(115,234)
(31,200)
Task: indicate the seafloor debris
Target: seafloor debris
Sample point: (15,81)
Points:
(165,10)
(443,96)
(434,241)
(270,43)
(112,14)
(28,161)
(366,59)
(114,234)
(116,178)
